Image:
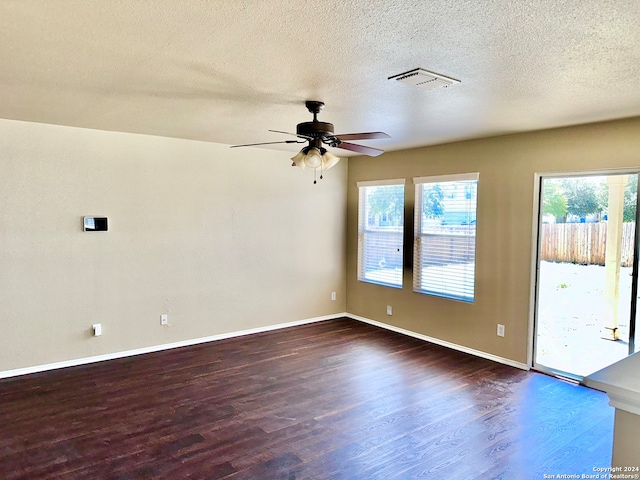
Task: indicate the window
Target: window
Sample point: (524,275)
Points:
(380,232)
(445,236)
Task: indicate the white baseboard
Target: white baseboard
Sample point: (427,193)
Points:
(157,348)
(460,348)
(222,336)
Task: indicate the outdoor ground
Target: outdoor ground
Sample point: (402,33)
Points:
(571,315)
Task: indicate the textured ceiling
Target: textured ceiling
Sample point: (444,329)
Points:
(227,71)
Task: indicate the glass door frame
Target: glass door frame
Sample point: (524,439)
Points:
(535,263)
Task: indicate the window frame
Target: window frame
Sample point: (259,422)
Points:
(462,292)
(364,227)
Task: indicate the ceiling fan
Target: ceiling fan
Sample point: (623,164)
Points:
(317,134)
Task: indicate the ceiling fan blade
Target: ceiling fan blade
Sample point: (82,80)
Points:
(362,136)
(306,137)
(265,143)
(286,133)
(354,147)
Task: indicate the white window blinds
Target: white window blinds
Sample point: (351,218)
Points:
(445,236)
(380,232)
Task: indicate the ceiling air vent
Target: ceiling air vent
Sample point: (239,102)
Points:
(421,78)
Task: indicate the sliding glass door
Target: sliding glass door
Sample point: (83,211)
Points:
(586,281)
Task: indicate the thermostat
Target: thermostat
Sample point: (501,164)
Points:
(95,224)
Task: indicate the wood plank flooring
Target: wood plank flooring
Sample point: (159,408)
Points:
(332,400)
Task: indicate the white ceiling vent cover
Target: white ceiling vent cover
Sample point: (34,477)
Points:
(421,78)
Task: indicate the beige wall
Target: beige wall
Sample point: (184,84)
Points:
(227,240)
(221,240)
(507,165)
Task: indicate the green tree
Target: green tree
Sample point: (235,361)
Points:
(553,201)
(630,199)
(581,196)
(432,197)
(602,194)
(389,200)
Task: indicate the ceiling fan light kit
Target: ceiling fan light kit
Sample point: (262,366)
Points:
(308,157)
(314,158)
(317,133)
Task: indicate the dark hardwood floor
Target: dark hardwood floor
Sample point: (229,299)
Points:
(331,400)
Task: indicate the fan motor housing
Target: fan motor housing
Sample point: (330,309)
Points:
(314,129)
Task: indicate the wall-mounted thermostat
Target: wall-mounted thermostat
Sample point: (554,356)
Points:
(95,224)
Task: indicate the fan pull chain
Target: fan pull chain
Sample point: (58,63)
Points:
(315,173)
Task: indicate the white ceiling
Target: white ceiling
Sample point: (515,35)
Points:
(227,71)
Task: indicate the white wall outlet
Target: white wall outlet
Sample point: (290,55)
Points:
(389,310)
(97,329)
(164,319)
(500,332)
(333,296)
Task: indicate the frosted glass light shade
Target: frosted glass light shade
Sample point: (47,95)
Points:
(298,160)
(329,160)
(313,158)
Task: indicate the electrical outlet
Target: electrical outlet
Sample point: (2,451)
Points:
(500,332)
(389,310)
(333,296)
(164,319)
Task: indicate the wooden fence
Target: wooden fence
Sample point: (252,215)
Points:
(582,243)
